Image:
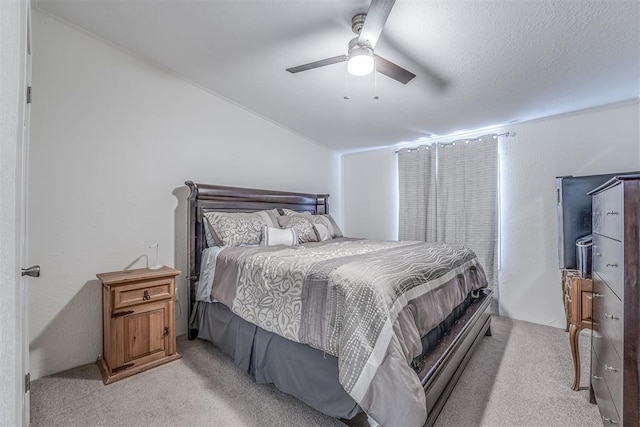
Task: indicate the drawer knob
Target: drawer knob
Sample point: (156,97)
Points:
(610,316)
(595,377)
(612,213)
(146,296)
(610,368)
(609,420)
(613,264)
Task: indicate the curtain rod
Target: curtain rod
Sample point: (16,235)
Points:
(466,140)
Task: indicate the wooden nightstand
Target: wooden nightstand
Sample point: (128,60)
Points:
(138,321)
(578,303)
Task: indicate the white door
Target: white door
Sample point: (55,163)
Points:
(34,271)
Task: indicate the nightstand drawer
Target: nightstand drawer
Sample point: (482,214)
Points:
(608,258)
(142,292)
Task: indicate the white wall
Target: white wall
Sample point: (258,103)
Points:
(113,140)
(13,18)
(370,184)
(597,141)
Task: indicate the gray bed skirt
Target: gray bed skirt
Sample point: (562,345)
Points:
(291,366)
(270,358)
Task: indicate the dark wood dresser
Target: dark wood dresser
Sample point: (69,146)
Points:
(615,381)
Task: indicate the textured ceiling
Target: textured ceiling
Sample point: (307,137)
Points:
(502,61)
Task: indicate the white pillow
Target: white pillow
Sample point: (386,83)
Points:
(272,236)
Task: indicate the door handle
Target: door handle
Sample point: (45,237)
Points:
(33,271)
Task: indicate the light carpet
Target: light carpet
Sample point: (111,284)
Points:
(520,376)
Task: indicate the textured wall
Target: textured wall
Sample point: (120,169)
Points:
(370,186)
(113,140)
(597,141)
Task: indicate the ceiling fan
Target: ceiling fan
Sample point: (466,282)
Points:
(360,57)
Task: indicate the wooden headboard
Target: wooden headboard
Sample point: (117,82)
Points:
(207,198)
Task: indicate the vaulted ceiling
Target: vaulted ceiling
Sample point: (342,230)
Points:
(477,63)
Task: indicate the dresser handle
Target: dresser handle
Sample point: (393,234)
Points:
(610,316)
(146,296)
(612,264)
(597,295)
(610,368)
(595,377)
(609,420)
(612,213)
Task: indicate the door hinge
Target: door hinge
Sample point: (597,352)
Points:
(120,314)
(27,382)
(121,368)
(28,94)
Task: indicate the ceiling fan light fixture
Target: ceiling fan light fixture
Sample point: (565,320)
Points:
(360,61)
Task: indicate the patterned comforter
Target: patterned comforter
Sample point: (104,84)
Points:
(365,302)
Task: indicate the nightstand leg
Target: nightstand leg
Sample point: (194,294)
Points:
(574,333)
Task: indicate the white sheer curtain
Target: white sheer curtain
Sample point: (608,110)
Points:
(449,193)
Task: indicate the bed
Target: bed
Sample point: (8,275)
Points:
(348,360)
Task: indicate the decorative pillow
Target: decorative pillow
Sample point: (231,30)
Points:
(302,225)
(208,235)
(238,228)
(272,236)
(327,221)
(289,212)
(322,232)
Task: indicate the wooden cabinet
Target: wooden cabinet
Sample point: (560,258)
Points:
(578,296)
(615,350)
(138,312)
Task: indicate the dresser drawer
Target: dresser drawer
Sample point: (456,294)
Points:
(609,368)
(142,292)
(608,262)
(597,209)
(607,313)
(607,213)
(607,409)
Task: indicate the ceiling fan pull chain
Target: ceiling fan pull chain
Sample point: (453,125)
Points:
(346,84)
(375,82)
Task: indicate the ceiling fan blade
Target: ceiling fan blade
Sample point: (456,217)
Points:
(317,64)
(377,15)
(439,81)
(392,70)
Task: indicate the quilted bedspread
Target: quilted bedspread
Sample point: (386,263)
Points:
(365,302)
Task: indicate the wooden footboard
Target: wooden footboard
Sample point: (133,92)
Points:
(444,365)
